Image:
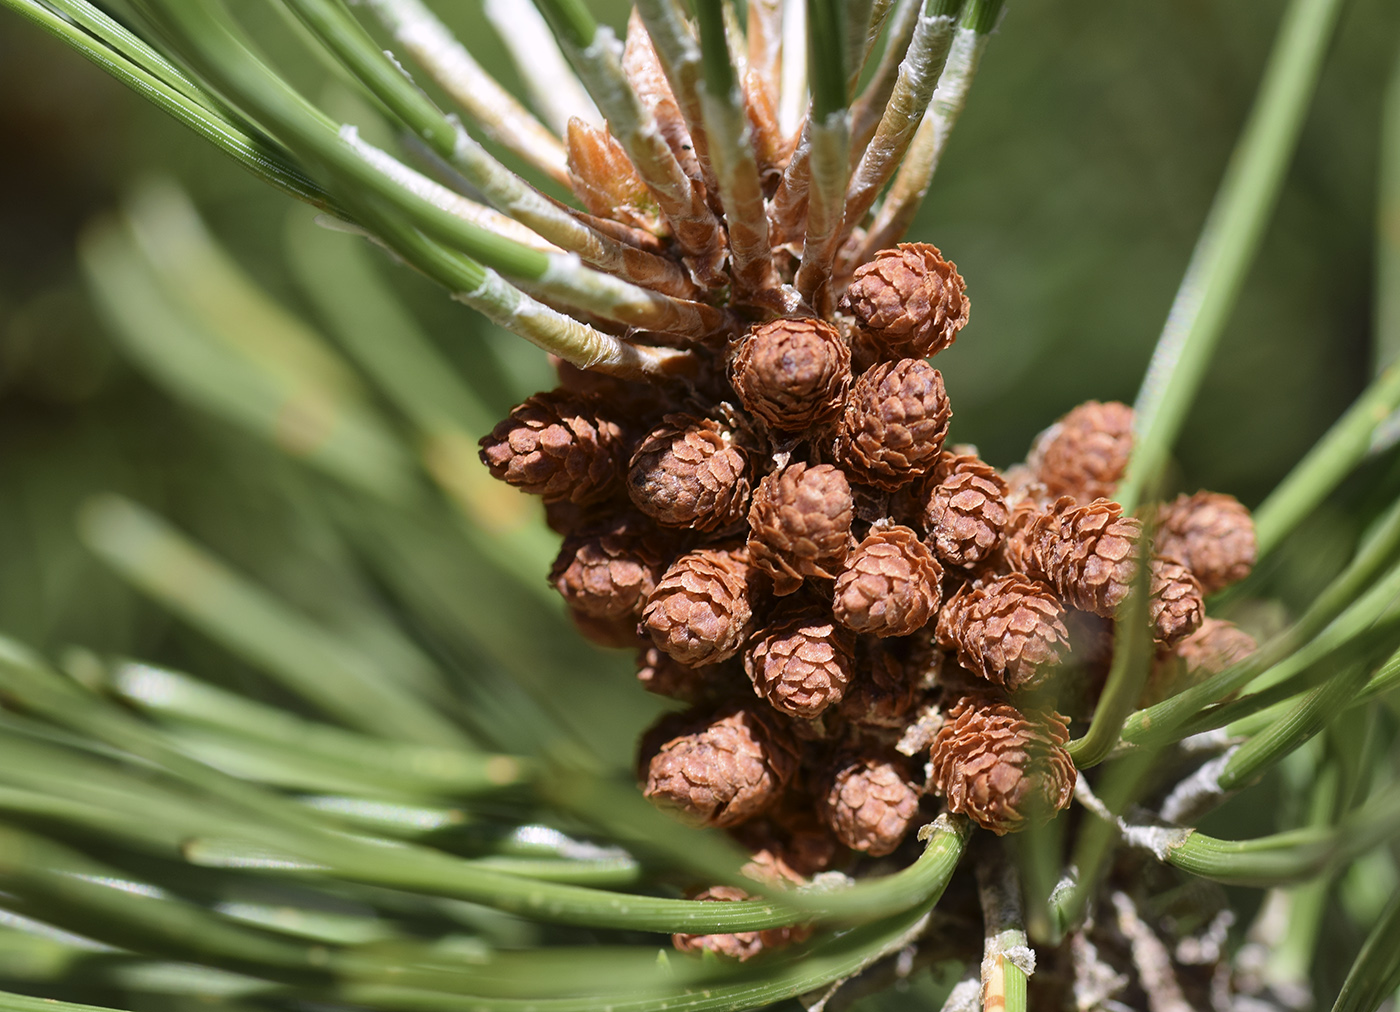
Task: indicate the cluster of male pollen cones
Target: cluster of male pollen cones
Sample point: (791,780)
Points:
(863,617)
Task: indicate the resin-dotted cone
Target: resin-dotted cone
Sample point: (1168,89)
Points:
(800,524)
(909,302)
(802,664)
(793,373)
(964,510)
(1087,553)
(895,423)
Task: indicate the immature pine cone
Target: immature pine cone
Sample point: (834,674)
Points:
(1086,553)
(610,573)
(559,446)
(728,771)
(1175,607)
(793,373)
(699,612)
(891,585)
(686,473)
(869,802)
(1212,648)
(1084,454)
(1211,534)
(1003,768)
(895,422)
(909,302)
(800,524)
(965,512)
(740,945)
(1008,630)
(803,664)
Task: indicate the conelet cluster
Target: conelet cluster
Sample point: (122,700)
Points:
(863,617)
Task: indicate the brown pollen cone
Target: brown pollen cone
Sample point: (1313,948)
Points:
(965,511)
(800,524)
(1086,553)
(1003,768)
(1009,630)
(1212,648)
(802,664)
(559,446)
(740,945)
(1175,606)
(909,302)
(895,423)
(793,373)
(891,585)
(686,473)
(700,611)
(1084,454)
(609,574)
(728,771)
(1210,533)
(869,803)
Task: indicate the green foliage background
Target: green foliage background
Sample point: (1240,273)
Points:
(1071,195)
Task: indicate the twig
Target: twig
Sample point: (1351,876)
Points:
(869,106)
(596,54)
(915,174)
(732,159)
(792,94)
(554,88)
(1007,958)
(914,87)
(1150,956)
(825,208)
(447,61)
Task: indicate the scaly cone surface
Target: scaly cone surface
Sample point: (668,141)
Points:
(862,617)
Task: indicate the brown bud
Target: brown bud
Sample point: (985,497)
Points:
(559,446)
(965,512)
(605,180)
(1008,630)
(800,524)
(1003,768)
(1175,607)
(1084,454)
(700,611)
(869,802)
(1212,648)
(740,945)
(891,585)
(687,473)
(793,373)
(802,664)
(908,301)
(895,422)
(1086,553)
(728,771)
(610,574)
(1212,534)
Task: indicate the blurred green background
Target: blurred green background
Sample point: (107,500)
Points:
(1070,197)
